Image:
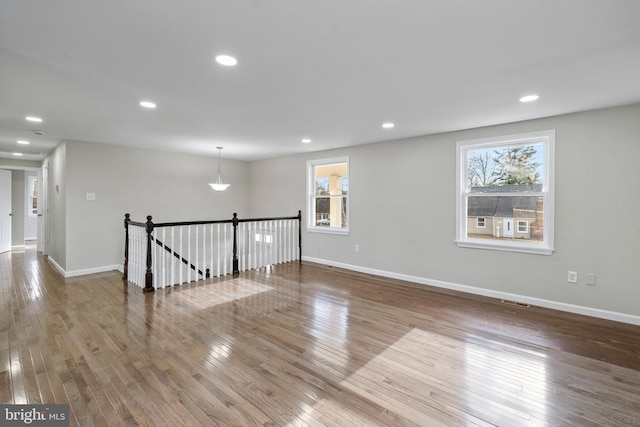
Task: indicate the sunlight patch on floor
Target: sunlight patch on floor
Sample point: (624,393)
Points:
(211,295)
(427,372)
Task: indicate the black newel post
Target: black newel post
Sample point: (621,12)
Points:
(125,267)
(148,279)
(300,236)
(236,270)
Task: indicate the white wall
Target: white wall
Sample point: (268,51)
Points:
(57,189)
(403,214)
(168,186)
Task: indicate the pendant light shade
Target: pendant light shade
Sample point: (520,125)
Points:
(218,185)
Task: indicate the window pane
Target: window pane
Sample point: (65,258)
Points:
(331,212)
(322,186)
(514,165)
(323,210)
(506,217)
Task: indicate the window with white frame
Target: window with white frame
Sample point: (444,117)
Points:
(523,227)
(507,185)
(32,195)
(328,195)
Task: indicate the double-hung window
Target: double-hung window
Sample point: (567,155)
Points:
(32,195)
(505,193)
(328,195)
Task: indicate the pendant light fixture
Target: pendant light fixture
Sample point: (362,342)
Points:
(218,185)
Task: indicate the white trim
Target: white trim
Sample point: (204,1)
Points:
(328,230)
(504,246)
(57,266)
(83,272)
(555,305)
(95,270)
(19,247)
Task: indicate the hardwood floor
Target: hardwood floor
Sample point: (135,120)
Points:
(304,345)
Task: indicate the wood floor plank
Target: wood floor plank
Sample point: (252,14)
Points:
(304,345)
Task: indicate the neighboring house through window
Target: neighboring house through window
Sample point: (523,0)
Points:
(505,194)
(328,195)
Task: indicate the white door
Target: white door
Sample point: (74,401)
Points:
(5,210)
(508,227)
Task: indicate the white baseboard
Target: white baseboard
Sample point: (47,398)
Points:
(18,247)
(56,266)
(83,272)
(570,308)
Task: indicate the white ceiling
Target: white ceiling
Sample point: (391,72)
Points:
(329,70)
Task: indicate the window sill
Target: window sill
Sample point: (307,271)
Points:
(508,247)
(328,230)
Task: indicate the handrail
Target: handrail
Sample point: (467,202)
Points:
(219,221)
(149,227)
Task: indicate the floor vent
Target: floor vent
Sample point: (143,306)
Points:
(517,304)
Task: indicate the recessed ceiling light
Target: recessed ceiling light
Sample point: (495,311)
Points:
(147,104)
(529,98)
(227,60)
(23,142)
(388,125)
(17,154)
(33,119)
(306,141)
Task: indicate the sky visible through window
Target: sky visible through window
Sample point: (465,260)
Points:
(484,165)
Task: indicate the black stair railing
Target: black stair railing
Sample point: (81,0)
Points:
(149,228)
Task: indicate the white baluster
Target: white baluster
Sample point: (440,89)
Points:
(162,259)
(211,247)
(240,245)
(224,265)
(218,252)
(195,261)
(179,260)
(188,253)
(172,259)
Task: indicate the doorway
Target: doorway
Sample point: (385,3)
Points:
(5,210)
(22,210)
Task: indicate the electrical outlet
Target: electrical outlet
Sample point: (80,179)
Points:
(591,279)
(356,248)
(91,196)
(572,277)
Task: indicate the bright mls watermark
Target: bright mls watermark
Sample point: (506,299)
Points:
(34,415)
